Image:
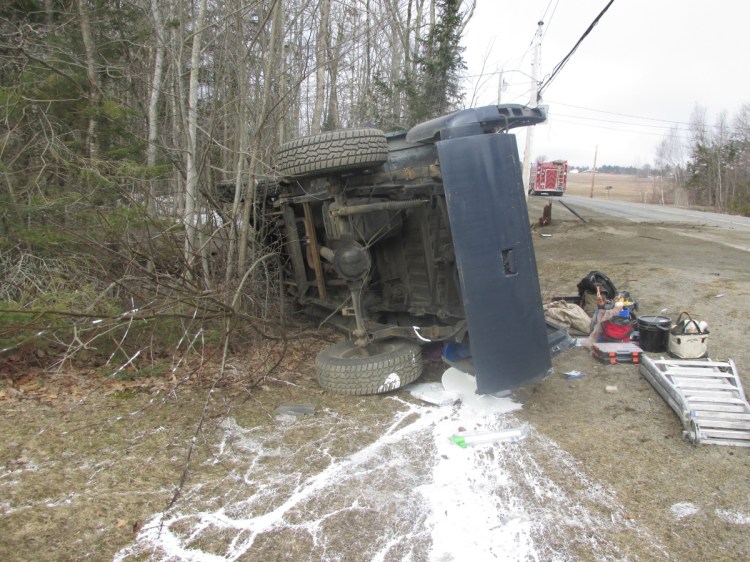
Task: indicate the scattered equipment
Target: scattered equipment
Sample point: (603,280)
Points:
(706,395)
(617,352)
(687,339)
(653,332)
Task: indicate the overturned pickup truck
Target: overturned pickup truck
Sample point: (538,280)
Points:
(408,238)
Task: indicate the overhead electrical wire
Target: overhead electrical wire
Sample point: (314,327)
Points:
(561,64)
(678,128)
(547,22)
(682,132)
(621,114)
(621,130)
(619,122)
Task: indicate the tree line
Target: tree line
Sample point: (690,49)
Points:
(120,121)
(709,164)
(133,136)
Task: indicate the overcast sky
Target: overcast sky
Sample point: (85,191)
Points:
(642,69)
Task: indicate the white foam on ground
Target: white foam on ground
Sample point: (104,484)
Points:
(733,517)
(429,498)
(468,519)
(684,509)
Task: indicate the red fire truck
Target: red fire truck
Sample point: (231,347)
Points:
(549,178)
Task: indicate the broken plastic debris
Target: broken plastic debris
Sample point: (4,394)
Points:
(512,435)
(460,382)
(546,235)
(573,375)
(295,410)
(611,389)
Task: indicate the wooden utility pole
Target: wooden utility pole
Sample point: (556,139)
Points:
(593,172)
(535,65)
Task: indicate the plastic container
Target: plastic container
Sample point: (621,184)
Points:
(653,333)
(513,435)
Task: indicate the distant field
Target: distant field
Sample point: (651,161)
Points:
(624,187)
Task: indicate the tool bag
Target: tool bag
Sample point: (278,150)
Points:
(593,286)
(686,338)
(617,329)
(594,280)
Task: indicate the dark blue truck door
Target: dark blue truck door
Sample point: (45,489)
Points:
(496,262)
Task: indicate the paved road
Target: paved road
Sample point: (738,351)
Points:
(639,212)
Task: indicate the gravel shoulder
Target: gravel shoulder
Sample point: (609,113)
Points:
(695,499)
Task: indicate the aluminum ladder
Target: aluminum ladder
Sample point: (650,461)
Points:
(706,395)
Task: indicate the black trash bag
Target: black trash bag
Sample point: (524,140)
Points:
(594,280)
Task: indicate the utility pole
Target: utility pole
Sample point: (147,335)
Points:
(500,87)
(535,66)
(593,172)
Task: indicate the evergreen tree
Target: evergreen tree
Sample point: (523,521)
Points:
(437,89)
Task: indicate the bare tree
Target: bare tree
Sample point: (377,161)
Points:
(92,141)
(262,119)
(191,215)
(670,160)
(153,105)
(321,56)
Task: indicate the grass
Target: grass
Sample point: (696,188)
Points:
(624,187)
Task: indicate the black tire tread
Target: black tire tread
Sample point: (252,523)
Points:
(367,375)
(345,149)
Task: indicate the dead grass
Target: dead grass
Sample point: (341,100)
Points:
(87,460)
(624,187)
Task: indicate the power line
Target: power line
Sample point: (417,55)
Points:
(544,15)
(620,114)
(549,22)
(618,129)
(677,126)
(561,64)
(621,122)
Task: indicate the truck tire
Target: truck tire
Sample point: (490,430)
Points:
(347,149)
(393,364)
(267,186)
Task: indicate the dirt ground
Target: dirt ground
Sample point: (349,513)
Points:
(630,438)
(86,460)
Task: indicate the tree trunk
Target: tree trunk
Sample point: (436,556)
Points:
(320,65)
(191,215)
(240,160)
(332,113)
(92,141)
(153,105)
(271,64)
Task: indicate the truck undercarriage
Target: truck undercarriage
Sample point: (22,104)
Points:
(414,237)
